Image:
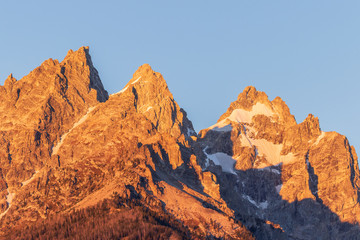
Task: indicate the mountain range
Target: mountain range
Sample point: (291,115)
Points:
(79,163)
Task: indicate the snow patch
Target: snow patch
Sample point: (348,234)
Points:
(278,188)
(125,88)
(262,205)
(269,169)
(264,148)
(223,160)
(191,132)
(29,180)
(226,128)
(9,198)
(250,200)
(136,80)
(121,91)
(63,137)
(267,149)
(242,116)
(322,135)
(148,108)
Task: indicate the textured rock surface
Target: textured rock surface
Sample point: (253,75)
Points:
(66,144)
(136,143)
(37,110)
(294,175)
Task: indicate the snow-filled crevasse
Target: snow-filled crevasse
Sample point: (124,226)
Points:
(63,137)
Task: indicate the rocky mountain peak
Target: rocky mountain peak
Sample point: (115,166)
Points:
(146,71)
(65,146)
(80,61)
(311,125)
(283,111)
(250,96)
(10,80)
(43,106)
(82,54)
(151,96)
(252,102)
(8,84)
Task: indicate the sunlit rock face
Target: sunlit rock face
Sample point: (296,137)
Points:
(67,145)
(36,111)
(291,174)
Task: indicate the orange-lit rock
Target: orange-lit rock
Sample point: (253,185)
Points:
(286,173)
(65,144)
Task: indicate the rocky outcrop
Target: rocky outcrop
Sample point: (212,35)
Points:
(293,175)
(136,143)
(66,145)
(37,110)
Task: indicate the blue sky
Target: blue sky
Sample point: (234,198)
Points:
(306,52)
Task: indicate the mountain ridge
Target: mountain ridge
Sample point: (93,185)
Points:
(254,173)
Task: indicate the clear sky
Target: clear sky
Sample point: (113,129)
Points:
(307,52)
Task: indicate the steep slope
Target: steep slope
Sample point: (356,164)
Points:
(68,148)
(137,143)
(37,110)
(293,175)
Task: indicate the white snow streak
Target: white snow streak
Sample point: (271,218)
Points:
(29,180)
(278,188)
(190,132)
(125,88)
(270,169)
(223,160)
(226,128)
(262,205)
(243,116)
(240,115)
(63,137)
(322,135)
(148,108)
(9,199)
(267,149)
(136,80)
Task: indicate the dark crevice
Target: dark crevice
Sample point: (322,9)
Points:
(135,97)
(352,164)
(313,179)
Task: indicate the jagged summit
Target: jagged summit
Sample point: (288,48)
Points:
(257,137)
(64,146)
(146,77)
(80,58)
(10,80)
(81,53)
(75,71)
(151,96)
(37,110)
(146,71)
(251,102)
(251,96)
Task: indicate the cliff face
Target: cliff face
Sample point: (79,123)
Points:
(66,144)
(82,146)
(37,110)
(291,174)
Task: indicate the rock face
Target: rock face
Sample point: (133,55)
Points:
(271,168)
(79,146)
(36,111)
(66,144)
